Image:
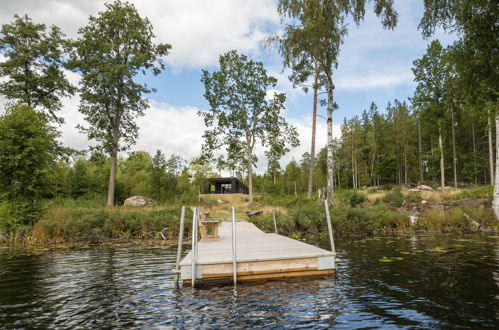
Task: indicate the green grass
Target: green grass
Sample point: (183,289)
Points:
(88,220)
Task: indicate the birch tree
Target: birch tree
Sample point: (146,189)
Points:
(322,24)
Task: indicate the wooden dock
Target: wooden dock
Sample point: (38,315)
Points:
(259,256)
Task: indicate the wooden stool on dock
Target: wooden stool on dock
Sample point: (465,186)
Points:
(208,228)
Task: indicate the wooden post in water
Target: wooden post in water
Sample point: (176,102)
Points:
(194,246)
(179,248)
(329,227)
(275,223)
(234,259)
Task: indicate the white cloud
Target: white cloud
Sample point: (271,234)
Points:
(304,128)
(198,30)
(173,130)
(374,80)
(372,57)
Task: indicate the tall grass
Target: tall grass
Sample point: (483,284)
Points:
(97,224)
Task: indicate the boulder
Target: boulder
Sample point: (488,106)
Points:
(139,201)
(421,187)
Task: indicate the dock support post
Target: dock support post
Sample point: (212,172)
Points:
(234,262)
(275,223)
(329,226)
(179,248)
(194,246)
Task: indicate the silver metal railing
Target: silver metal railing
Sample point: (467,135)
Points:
(329,226)
(234,259)
(194,252)
(179,248)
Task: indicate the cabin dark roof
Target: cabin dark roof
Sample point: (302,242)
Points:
(222,180)
(230,185)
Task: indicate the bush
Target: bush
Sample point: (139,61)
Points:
(356,198)
(413,197)
(394,198)
(18,213)
(82,224)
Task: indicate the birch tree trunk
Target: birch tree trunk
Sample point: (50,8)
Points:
(442,168)
(491,151)
(454,159)
(474,148)
(312,148)
(495,199)
(421,177)
(330,165)
(250,175)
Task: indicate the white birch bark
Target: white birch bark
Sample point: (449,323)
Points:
(495,198)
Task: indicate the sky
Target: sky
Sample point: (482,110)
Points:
(374,65)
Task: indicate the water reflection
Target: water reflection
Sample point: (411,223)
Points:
(429,281)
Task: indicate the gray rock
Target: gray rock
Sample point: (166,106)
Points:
(139,201)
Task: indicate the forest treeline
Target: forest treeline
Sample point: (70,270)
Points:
(443,135)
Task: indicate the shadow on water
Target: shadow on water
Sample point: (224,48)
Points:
(419,281)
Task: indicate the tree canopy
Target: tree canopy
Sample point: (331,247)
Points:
(33,65)
(113,49)
(240,109)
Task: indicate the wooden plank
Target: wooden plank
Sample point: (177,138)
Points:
(274,275)
(253,245)
(249,268)
(259,255)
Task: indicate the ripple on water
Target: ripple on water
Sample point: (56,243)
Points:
(132,286)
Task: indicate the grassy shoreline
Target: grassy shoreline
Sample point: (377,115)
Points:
(355,213)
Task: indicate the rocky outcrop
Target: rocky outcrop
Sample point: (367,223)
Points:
(139,201)
(422,187)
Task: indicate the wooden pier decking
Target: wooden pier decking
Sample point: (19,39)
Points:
(259,256)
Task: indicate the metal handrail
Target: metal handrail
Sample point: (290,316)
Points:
(329,226)
(179,248)
(234,259)
(275,223)
(194,252)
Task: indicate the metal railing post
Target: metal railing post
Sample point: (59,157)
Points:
(179,248)
(329,226)
(194,246)
(234,259)
(275,223)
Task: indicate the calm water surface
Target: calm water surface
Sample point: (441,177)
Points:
(419,281)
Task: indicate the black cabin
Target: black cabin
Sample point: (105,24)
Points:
(226,186)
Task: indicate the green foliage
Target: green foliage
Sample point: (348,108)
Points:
(481,192)
(33,67)
(241,114)
(27,150)
(308,219)
(113,49)
(96,224)
(356,198)
(394,198)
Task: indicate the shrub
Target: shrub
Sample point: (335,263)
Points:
(413,197)
(394,198)
(82,224)
(356,198)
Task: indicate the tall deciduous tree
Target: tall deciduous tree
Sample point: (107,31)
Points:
(113,49)
(33,65)
(241,111)
(431,73)
(27,150)
(321,24)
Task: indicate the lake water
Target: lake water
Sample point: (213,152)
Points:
(418,281)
